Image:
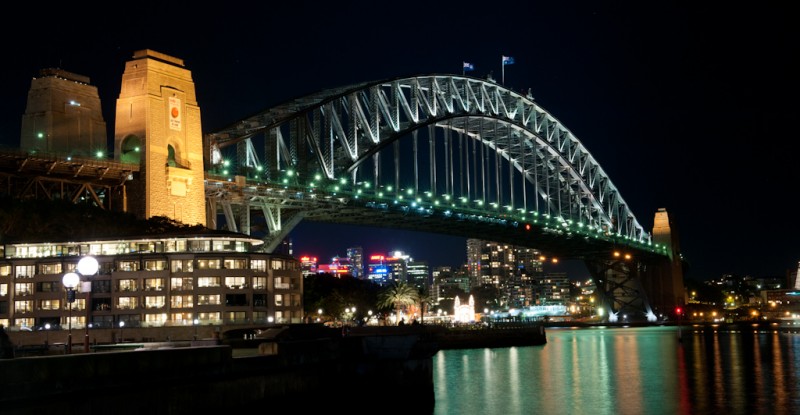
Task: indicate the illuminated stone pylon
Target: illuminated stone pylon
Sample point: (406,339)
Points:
(665,283)
(158,127)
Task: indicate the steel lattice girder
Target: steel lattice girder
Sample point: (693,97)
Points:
(336,132)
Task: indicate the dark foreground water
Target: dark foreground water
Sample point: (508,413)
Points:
(625,371)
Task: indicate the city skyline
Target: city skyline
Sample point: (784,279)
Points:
(687,108)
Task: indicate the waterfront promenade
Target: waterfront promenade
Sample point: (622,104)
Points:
(297,362)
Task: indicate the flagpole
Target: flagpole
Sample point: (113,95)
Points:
(503,71)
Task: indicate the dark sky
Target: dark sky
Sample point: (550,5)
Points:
(687,106)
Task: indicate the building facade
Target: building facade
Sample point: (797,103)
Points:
(149,282)
(511,269)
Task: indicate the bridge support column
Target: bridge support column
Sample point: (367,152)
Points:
(620,290)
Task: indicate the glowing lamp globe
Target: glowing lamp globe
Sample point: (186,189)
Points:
(70,280)
(88,266)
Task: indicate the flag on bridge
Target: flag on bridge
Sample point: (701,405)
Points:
(467,67)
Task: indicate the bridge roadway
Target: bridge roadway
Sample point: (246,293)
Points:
(346,206)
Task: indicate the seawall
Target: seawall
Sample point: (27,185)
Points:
(289,373)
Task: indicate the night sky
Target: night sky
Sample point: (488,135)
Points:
(689,107)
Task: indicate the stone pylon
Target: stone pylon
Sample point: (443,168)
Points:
(158,127)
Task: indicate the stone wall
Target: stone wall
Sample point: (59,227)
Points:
(301,376)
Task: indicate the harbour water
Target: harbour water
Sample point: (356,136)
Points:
(626,370)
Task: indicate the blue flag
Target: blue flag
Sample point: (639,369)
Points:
(508,60)
(468,66)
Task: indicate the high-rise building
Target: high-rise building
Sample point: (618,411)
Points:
(418,275)
(377,270)
(397,263)
(553,288)
(508,268)
(474,247)
(356,257)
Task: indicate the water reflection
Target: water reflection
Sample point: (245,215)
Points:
(624,371)
(743,372)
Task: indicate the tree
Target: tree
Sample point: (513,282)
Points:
(398,295)
(425,299)
(333,294)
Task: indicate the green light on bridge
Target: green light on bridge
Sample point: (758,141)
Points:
(99,154)
(317,177)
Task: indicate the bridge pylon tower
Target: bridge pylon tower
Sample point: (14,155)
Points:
(158,127)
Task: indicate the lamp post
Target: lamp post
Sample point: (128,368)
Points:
(70,281)
(196,322)
(87,266)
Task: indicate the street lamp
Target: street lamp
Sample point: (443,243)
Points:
(87,266)
(196,322)
(70,281)
(47,335)
(121,337)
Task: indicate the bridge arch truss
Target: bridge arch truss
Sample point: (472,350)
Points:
(461,140)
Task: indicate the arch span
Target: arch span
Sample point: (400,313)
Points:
(484,146)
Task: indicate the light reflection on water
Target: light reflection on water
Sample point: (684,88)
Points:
(625,371)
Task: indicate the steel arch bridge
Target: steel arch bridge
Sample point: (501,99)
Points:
(440,153)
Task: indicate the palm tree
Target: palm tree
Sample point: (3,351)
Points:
(425,299)
(398,295)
